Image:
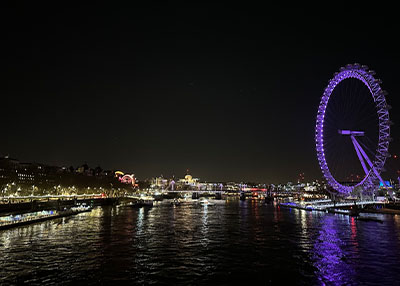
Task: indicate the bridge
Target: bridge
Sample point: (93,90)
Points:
(274,193)
(195,191)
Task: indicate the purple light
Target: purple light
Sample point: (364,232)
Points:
(328,254)
(364,75)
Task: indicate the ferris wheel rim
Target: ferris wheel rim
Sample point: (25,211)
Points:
(365,75)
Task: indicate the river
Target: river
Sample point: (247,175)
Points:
(227,243)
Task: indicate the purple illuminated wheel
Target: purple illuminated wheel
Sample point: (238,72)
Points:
(352,130)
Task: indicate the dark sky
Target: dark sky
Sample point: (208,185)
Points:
(228,92)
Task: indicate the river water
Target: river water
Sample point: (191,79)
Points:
(227,243)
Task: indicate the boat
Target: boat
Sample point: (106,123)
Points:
(205,202)
(145,202)
(142,202)
(338,211)
(39,216)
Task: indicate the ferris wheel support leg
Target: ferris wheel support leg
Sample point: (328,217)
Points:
(359,150)
(360,157)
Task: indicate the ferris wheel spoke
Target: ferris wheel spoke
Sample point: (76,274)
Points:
(360,157)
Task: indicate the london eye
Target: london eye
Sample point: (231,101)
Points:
(352,131)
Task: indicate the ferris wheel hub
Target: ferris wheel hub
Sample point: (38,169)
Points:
(351,132)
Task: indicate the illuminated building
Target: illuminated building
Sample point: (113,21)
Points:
(159,182)
(189,180)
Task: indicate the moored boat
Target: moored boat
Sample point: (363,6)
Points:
(205,202)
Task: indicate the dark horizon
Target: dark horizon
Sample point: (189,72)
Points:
(229,92)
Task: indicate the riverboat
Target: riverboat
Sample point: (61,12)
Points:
(11,221)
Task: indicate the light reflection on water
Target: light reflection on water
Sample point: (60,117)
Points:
(225,243)
(329,256)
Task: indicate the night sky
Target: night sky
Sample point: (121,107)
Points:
(228,92)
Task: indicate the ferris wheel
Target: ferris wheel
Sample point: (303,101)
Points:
(352,131)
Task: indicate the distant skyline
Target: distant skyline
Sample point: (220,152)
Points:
(229,92)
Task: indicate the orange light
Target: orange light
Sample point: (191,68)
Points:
(118,173)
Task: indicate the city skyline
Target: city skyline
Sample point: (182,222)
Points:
(170,88)
(206,143)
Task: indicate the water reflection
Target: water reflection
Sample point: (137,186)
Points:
(353,228)
(139,222)
(328,255)
(204,228)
